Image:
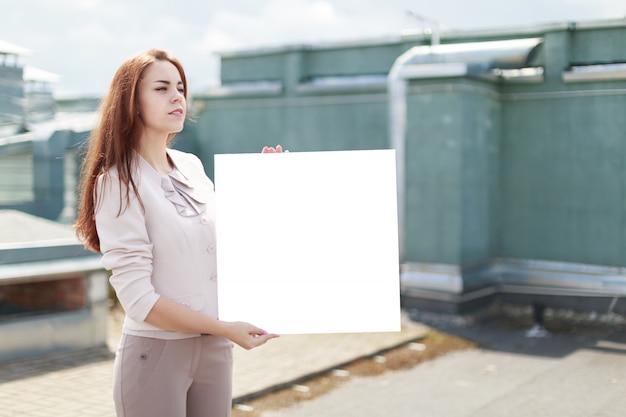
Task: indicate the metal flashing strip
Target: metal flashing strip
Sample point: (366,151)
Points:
(306,88)
(344,83)
(438,278)
(8,48)
(555,291)
(302,101)
(434,70)
(71,241)
(514,276)
(449,297)
(591,76)
(47,270)
(552,95)
(260,88)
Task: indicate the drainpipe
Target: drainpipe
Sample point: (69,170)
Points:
(397,129)
(396,87)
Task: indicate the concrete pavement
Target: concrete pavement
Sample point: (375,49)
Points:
(573,373)
(79,384)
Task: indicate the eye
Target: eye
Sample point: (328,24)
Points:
(161,89)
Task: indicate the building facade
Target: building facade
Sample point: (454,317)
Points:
(510,146)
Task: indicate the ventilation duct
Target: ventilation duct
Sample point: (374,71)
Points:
(437,61)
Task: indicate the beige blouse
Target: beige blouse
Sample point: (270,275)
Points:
(167,248)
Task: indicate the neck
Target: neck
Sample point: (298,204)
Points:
(156,155)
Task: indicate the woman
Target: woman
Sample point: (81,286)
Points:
(150,211)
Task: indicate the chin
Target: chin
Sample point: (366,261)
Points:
(177,129)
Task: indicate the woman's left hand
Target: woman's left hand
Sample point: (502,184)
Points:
(246,335)
(269,149)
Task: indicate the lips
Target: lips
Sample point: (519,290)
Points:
(177,112)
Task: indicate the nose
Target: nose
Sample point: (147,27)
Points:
(178,96)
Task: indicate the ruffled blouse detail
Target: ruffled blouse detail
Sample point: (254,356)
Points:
(187,200)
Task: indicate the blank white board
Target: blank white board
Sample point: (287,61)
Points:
(307,242)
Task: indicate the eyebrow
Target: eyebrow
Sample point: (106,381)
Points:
(167,82)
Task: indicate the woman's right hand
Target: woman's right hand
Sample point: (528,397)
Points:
(270,149)
(247,335)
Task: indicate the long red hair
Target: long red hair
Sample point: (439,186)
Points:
(114,140)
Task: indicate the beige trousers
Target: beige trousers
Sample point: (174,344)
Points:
(173,378)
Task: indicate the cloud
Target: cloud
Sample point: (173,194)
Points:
(604,8)
(79,4)
(281,22)
(299,12)
(216,39)
(323,12)
(91,34)
(85,40)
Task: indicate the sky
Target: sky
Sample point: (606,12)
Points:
(84,41)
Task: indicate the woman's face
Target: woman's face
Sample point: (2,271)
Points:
(161,100)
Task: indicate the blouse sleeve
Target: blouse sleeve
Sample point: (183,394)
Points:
(126,247)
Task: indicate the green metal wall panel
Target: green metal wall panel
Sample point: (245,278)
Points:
(451,173)
(376,59)
(299,124)
(480,172)
(562,179)
(248,67)
(598,46)
(433,177)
